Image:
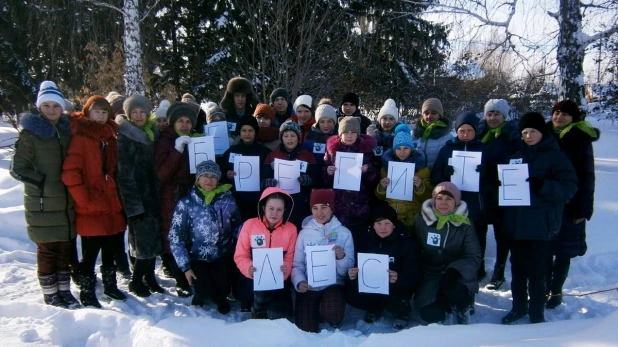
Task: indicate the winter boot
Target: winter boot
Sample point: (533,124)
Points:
(150,279)
(136,285)
(497,279)
(222,305)
(183,289)
(372,315)
(401,321)
(166,267)
(245,305)
(122,266)
(461,315)
(49,285)
(560,273)
(110,289)
(87,295)
(481,273)
(259,315)
(514,316)
(64,290)
(75,273)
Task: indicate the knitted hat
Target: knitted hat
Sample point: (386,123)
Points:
(180,109)
(323,196)
(349,123)
(100,102)
(207,167)
(116,100)
(214,113)
(385,211)
(279,92)
(68,106)
(433,104)
(449,187)
(135,101)
(49,92)
(497,105)
(247,120)
(326,111)
(162,109)
(303,100)
(389,109)
(467,118)
(533,120)
(570,107)
(186,97)
(403,137)
(265,110)
(290,125)
(209,105)
(351,98)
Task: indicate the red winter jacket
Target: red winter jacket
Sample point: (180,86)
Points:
(306,128)
(89,171)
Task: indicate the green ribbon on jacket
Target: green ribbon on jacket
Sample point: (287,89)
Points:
(451,217)
(429,127)
(582,125)
(209,195)
(148,126)
(493,133)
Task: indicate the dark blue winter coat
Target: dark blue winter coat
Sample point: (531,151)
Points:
(577,145)
(209,230)
(315,143)
(542,219)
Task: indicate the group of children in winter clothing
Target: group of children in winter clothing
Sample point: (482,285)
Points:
(93,175)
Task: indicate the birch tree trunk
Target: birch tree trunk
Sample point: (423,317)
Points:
(133,77)
(571,51)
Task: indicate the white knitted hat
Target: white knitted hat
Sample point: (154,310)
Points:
(50,92)
(389,109)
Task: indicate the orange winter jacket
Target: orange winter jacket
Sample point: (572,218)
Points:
(255,234)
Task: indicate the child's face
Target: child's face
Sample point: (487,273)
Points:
(349,137)
(240,100)
(139,116)
(273,210)
(98,114)
(403,152)
(51,110)
(161,122)
(384,228)
(326,125)
(388,123)
(247,134)
(290,140)
(263,121)
(322,213)
(303,114)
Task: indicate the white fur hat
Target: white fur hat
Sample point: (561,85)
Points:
(389,109)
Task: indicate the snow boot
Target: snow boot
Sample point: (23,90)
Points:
(245,305)
(64,290)
(49,285)
(166,267)
(401,321)
(136,285)
(151,279)
(87,295)
(122,266)
(373,315)
(222,305)
(497,279)
(110,288)
(461,315)
(513,316)
(558,278)
(75,273)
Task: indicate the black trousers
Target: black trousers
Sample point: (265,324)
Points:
(456,296)
(529,268)
(111,246)
(502,242)
(214,278)
(397,303)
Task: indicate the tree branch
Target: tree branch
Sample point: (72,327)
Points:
(592,38)
(149,10)
(103,4)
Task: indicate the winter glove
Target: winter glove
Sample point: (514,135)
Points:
(481,169)
(536,184)
(304,180)
(372,130)
(449,278)
(137,218)
(269,182)
(449,170)
(181,142)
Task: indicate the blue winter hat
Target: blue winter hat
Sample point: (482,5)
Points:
(402,137)
(467,118)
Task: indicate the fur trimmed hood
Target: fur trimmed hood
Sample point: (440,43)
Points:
(364,144)
(41,127)
(82,126)
(134,133)
(430,217)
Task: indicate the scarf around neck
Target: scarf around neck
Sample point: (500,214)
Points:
(582,125)
(429,127)
(147,127)
(493,133)
(209,196)
(451,217)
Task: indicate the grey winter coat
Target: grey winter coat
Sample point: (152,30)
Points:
(454,246)
(209,230)
(139,189)
(39,154)
(431,147)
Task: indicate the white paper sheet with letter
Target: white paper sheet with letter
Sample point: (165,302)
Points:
(268,263)
(401,185)
(349,171)
(247,170)
(321,265)
(287,173)
(514,190)
(200,149)
(465,176)
(218,130)
(373,274)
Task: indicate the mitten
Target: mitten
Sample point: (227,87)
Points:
(536,184)
(481,169)
(269,182)
(304,179)
(449,170)
(181,142)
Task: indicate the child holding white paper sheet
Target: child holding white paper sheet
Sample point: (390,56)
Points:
(466,128)
(388,236)
(321,228)
(325,126)
(530,229)
(270,229)
(403,151)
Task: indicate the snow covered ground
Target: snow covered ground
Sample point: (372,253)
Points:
(166,320)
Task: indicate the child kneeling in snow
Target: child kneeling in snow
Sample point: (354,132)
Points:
(270,229)
(322,228)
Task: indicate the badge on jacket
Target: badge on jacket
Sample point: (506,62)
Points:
(516,161)
(319,148)
(434,239)
(258,241)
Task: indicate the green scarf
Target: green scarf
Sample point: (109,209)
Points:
(208,196)
(429,127)
(493,133)
(148,126)
(582,125)
(451,217)
(194,134)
